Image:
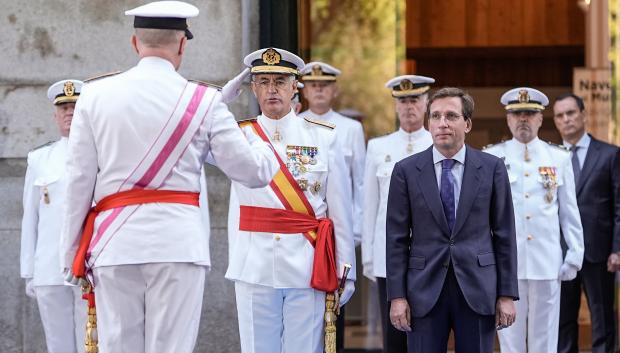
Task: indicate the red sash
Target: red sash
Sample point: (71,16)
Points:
(122,199)
(297,217)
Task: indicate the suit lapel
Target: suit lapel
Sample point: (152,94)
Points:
(469,188)
(588,165)
(427,182)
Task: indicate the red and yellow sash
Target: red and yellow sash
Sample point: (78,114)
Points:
(297,217)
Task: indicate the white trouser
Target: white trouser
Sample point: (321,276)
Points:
(150,308)
(538,317)
(63,314)
(275,320)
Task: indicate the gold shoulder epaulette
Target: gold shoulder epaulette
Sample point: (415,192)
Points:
(203,83)
(98,77)
(43,145)
(492,144)
(245,122)
(562,147)
(321,122)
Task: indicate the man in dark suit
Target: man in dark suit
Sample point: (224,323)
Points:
(596,166)
(451,248)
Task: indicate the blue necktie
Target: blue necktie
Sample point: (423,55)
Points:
(447,191)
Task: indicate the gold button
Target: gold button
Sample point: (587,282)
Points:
(527,195)
(528,217)
(277,238)
(530,237)
(527,174)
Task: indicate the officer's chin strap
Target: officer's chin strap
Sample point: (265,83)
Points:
(91,338)
(332,310)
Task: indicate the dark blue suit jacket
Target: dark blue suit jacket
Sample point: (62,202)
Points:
(482,246)
(598,197)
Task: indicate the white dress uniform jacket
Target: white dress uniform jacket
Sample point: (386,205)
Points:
(285,260)
(44,198)
(350,136)
(383,153)
(116,121)
(538,221)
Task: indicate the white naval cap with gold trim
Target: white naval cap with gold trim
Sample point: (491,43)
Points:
(164,15)
(524,99)
(64,91)
(319,71)
(273,61)
(409,85)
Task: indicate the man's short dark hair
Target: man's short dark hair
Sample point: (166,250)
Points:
(467,102)
(577,99)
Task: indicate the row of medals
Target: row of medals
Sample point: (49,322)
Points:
(549,179)
(299,158)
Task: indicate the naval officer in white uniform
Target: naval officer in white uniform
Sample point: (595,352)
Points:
(275,232)
(321,90)
(543,194)
(63,312)
(146,133)
(410,94)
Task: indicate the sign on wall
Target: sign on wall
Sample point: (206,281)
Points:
(594,87)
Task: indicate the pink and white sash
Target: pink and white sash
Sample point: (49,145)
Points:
(191,110)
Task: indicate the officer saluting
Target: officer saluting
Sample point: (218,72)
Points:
(137,148)
(281,248)
(61,307)
(543,193)
(410,94)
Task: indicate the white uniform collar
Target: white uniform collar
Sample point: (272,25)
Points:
(459,156)
(411,136)
(281,124)
(326,117)
(584,142)
(530,145)
(156,62)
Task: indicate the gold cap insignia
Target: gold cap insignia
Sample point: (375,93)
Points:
(69,89)
(406,85)
(524,96)
(317,70)
(271,57)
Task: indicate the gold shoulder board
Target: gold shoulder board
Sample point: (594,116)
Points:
(321,122)
(245,122)
(98,77)
(562,147)
(43,145)
(203,83)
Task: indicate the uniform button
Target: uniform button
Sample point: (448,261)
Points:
(527,195)
(277,238)
(530,237)
(528,217)
(527,174)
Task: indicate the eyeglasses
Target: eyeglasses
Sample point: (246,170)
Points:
(279,83)
(449,116)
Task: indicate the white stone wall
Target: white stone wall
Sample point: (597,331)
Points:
(42,41)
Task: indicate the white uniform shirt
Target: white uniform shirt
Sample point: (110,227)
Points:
(285,260)
(116,121)
(350,135)
(41,222)
(383,153)
(538,221)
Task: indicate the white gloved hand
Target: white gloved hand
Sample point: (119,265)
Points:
(349,289)
(368,270)
(70,278)
(232,89)
(568,272)
(30,288)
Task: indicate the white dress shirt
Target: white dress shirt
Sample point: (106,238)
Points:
(582,151)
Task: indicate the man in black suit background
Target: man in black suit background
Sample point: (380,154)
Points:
(596,166)
(451,248)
